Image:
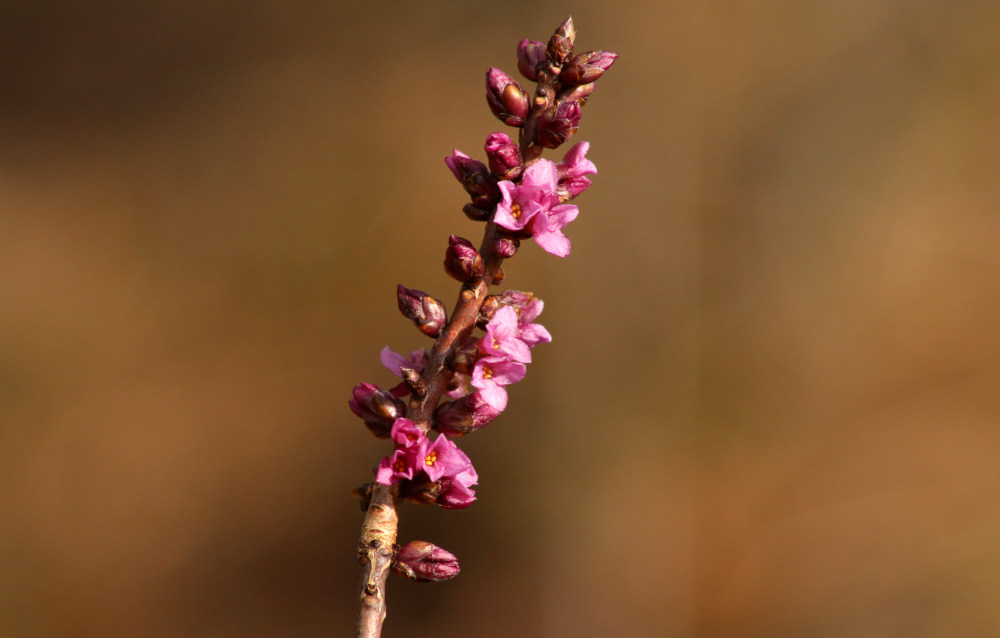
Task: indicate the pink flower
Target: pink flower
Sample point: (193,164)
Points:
(491,374)
(501,337)
(395,362)
(533,206)
(532,333)
(443,458)
(572,171)
(458,493)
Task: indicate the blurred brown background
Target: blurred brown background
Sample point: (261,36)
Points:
(770,408)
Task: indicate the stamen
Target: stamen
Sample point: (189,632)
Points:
(430,459)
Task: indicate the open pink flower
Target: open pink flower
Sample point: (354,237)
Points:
(528,332)
(533,207)
(491,374)
(501,338)
(443,458)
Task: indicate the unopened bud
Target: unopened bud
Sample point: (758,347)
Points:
(462,416)
(561,44)
(377,408)
(425,311)
(578,93)
(475,179)
(477,214)
(507,247)
(557,124)
(587,67)
(462,261)
(513,298)
(425,562)
(504,156)
(506,98)
(530,58)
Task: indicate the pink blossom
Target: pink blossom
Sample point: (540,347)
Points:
(491,374)
(572,171)
(528,332)
(533,206)
(443,458)
(395,362)
(458,493)
(501,337)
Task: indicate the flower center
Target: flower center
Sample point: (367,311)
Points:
(487,373)
(431,458)
(515,211)
(496,343)
(399,465)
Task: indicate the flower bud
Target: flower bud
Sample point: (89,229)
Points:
(377,408)
(514,298)
(475,178)
(561,44)
(504,156)
(425,562)
(506,98)
(476,213)
(557,124)
(530,58)
(578,93)
(425,311)
(462,261)
(587,67)
(506,246)
(462,416)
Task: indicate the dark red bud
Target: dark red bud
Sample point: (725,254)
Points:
(462,416)
(476,213)
(475,179)
(377,408)
(461,260)
(425,311)
(557,124)
(587,67)
(578,93)
(530,58)
(425,562)
(506,98)
(561,44)
(507,247)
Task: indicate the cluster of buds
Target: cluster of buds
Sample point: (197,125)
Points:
(459,384)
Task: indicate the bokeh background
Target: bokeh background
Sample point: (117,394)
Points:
(770,408)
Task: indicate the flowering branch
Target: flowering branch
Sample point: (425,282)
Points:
(459,384)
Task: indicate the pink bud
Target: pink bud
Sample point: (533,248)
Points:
(378,408)
(506,98)
(425,311)
(557,124)
(462,261)
(425,562)
(530,58)
(504,156)
(587,67)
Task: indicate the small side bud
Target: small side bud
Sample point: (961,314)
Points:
(557,124)
(425,311)
(587,67)
(507,247)
(506,98)
(461,260)
(561,44)
(377,408)
(425,562)
(530,58)
(504,156)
